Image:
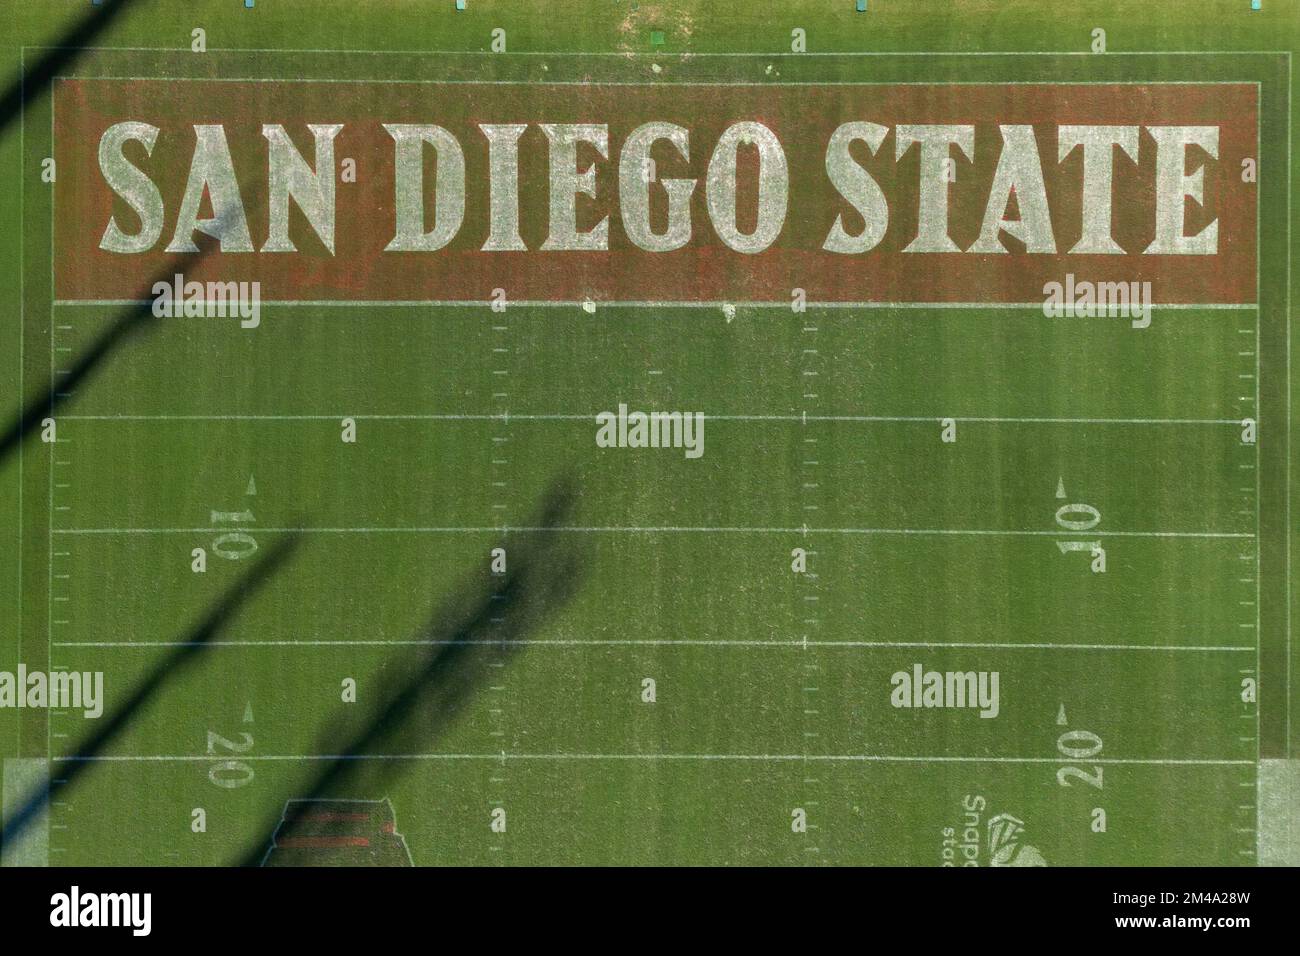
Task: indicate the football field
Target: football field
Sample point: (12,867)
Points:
(938,578)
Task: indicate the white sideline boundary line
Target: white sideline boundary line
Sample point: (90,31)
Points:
(632,642)
(1290,532)
(672,304)
(22,384)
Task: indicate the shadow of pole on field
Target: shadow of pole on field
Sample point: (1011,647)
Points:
(482,628)
(195,643)
(135,318)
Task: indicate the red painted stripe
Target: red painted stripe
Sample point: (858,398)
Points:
(321,842)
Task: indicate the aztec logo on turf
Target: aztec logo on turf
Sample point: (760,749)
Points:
(1001,845)
(62,690)
(210,300)
(1092,300)
(74,909)
(922,688)
(651,430)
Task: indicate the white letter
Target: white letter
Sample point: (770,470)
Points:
(932,214)
(449,198)
(132,185)
(289,175)
(1098,144)
(773,187)
(634,189)
(856,185)
(211,169)
(503,189)
(567,182)
(1173,184)
(1019,171)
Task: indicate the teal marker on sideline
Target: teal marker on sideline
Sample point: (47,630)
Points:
(862,6)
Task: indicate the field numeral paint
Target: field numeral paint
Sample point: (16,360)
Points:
(1082,517)
(1079,745)
(235,545)
(230,774)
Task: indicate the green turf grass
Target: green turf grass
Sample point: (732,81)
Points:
(772,688)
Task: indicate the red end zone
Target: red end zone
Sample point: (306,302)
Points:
(705,268)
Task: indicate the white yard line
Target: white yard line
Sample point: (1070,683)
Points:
(632,642)
(718,304)
(826,758)
(678,529)
(591,417)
